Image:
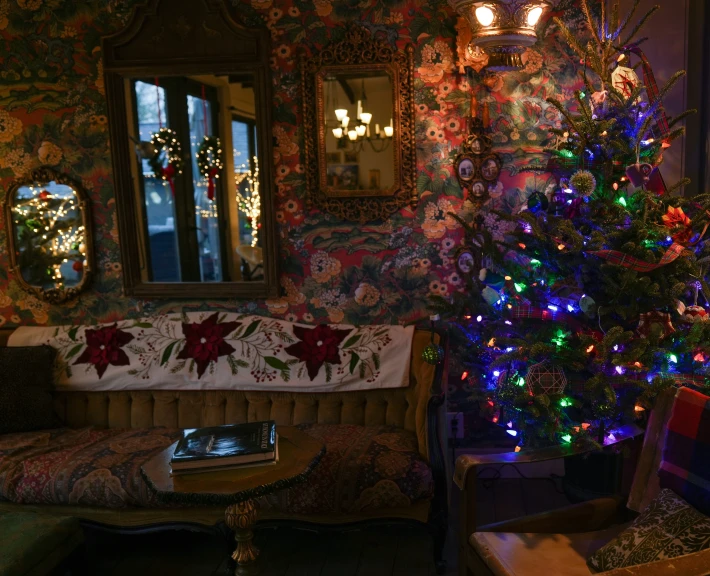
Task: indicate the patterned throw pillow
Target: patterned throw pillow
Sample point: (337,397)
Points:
(669,527)
(685,465)
(26,377)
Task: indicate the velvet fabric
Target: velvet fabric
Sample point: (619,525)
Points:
(403,408)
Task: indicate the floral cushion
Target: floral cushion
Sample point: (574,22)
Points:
(365,468)
(669,527)
(85,467)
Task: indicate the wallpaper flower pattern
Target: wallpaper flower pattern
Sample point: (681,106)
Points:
(53,111)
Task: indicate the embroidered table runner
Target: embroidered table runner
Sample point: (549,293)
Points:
(224,351)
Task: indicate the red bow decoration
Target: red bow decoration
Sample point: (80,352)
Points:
(210,182)
(168,174)
(621,259)
(674,218)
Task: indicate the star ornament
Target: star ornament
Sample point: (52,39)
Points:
(318,346)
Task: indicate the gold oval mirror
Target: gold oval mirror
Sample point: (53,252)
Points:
(48,223)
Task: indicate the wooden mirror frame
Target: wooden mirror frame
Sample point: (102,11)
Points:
(47,175)
(360,51)
(177,38)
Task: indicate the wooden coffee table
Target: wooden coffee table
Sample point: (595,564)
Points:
(238,489)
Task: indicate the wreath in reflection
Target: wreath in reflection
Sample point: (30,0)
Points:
(166,159)
(209,162)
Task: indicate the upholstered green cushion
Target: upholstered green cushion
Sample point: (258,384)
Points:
(34,543)
(26,376)
(669,527)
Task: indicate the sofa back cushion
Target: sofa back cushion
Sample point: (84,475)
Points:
(685,467)
(25,389)
(404,408)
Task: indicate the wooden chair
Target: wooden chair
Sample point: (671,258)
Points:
(559,542)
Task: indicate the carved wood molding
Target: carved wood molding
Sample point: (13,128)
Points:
(360,51)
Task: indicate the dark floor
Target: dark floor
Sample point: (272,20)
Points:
(374,551)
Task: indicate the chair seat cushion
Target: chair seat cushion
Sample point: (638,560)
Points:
(510,554)
(86,467)
(33,541)
(365,468)
(669,527)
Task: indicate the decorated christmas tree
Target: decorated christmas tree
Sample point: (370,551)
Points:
(594,302)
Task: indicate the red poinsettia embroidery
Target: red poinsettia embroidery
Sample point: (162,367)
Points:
(103,348)
(204,341)
(318,345)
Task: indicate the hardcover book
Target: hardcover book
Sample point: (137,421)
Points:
(229,445)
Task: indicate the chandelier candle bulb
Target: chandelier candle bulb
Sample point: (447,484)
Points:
(341,114)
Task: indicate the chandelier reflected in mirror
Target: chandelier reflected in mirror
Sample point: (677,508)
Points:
(502,28)
(352,132)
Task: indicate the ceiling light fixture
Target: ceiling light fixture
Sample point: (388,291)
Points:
(503,28)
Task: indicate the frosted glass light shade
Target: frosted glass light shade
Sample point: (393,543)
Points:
(389,131)
(366,117)
(485,15)
(338,133)
(534,16)
(341,113)
(360,129)
(352,134)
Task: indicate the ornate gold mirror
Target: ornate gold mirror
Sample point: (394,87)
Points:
(359,123)
(189,93)
(48,223)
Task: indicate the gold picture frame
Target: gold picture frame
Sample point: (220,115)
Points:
(359,52)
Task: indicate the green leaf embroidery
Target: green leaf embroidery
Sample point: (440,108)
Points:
(74,351)
(352,341)
(276,363)
(167,352)
(354,359)
(72,332)
(328,372)
(251,328)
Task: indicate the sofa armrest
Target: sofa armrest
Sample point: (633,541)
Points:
(583,517)
(697,564)
(468,463)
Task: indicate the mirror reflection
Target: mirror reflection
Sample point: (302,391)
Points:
(197,177)
(48,235)
(359,130)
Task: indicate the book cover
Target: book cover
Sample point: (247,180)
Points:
(236,443)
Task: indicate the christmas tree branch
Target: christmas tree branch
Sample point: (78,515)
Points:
(640,24)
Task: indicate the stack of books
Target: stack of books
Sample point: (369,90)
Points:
(226,447)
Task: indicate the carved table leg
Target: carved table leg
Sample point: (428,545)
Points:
(241,518)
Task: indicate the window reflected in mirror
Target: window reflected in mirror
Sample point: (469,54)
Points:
(197,177)
(359,130)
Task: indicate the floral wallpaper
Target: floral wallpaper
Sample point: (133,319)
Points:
(53,111)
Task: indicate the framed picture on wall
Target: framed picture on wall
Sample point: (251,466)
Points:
(333,158)
(343,176)
(351,157)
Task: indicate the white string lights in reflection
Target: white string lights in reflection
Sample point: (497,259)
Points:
(249,204)
(63,241)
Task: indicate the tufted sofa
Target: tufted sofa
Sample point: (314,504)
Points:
(384,456)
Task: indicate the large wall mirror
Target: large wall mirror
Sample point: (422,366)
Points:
(359,123)
(48,224)
(189,103)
